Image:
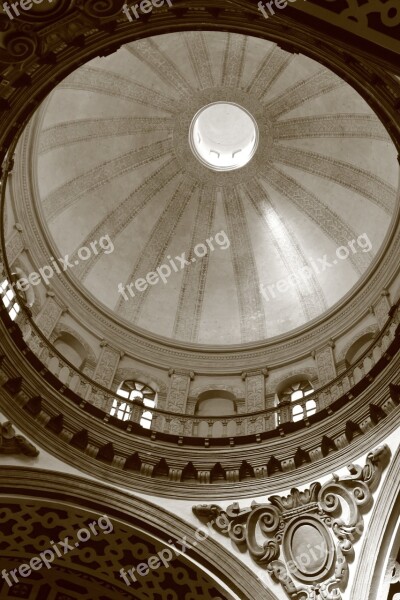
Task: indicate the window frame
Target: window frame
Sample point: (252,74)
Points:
(305,388)
(128,391)
(9,299)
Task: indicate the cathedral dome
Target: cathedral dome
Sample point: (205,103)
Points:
(186,250)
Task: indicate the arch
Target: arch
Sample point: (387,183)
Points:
(277,381)
(129,391)
(63,328)
(134,374)
(236,391)
(380,542)
(232,579)
(370,329)
(299,376)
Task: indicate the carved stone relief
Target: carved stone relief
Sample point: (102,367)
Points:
(325,364)
(104,373)
(255,390)
(381,309)
(14,247)
(49,316)
(305,540)
(178,390)
(12,443)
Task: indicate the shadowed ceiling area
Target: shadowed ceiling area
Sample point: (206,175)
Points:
(79,556)
(113,159)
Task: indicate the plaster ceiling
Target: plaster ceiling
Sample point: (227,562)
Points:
(114,160)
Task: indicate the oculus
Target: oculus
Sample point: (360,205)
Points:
(223,136)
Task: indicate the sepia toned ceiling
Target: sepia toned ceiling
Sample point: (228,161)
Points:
(94,571)
(113,159)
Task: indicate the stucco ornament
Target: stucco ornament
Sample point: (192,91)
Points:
(11,443)
(305,540)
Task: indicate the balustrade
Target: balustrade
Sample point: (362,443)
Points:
(227,426)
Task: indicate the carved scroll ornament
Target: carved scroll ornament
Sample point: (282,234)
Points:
(305,539)
(11,443)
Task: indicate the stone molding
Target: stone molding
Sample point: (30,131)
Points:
(285,523)
(89,441)
(377,545)
(12,443)
(50,487)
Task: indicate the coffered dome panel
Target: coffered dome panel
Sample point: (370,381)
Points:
(293,230)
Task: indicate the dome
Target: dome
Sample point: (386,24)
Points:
(177,246)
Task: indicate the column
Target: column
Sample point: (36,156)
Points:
(255,389)
(178,391)
(104,375)
(325,361)
(381,309)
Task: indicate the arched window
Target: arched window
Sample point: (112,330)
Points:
(298,391)
(9,299)
(134,390)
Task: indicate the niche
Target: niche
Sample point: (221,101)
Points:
(358,348)
(215,403)
(71,348)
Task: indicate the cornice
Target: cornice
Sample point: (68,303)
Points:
(52,421)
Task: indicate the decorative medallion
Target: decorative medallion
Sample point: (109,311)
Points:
(309,534)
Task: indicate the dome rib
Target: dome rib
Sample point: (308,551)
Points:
(191,297)
(359,180)
(69,193)
(309,292)
(100,81)
(85,130)
(127,211)
(155,250)
(326,219)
